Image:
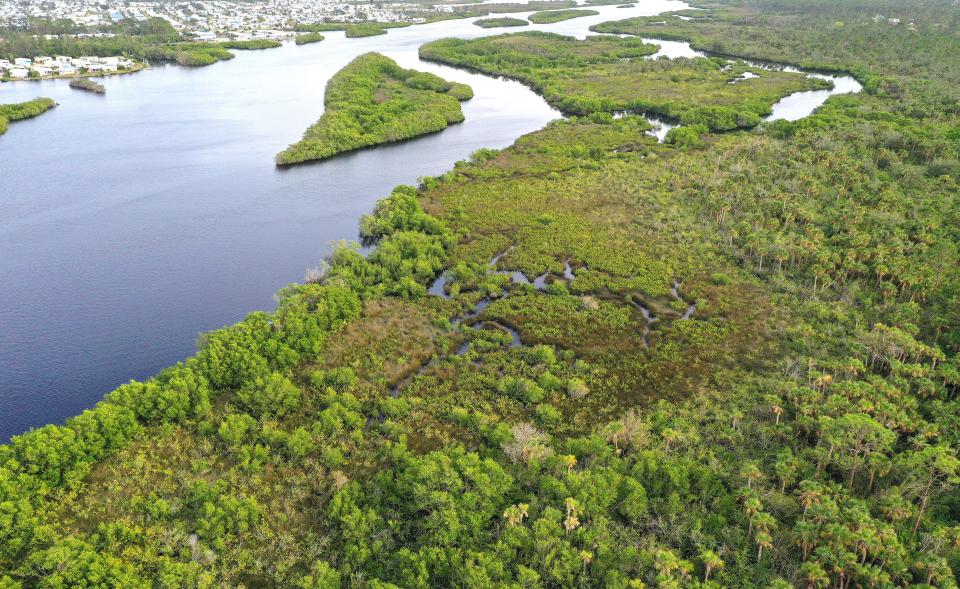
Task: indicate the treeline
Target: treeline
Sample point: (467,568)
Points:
(590,76)
(505,21)
(151,40)
(253,44)
(250,363)
(307,38)
(372,101)
(888,46)
(131,40)
(479,10)
(799,428)
(188,54)
(351,30)
(552,16)
(23,110)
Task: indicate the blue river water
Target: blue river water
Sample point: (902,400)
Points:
(134,221)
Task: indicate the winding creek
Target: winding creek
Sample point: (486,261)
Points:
(133,221)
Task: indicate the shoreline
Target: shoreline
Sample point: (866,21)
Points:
(134,70)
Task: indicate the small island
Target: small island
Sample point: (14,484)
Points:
(504,21)
(551,16)
(251,45)
(23,110)
(189,54)
(308,38)
(351,30)
(371,29)
(87,85)
(373,101)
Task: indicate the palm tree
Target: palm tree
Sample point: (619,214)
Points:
(515,514)
(765,524)
(811,493)
(814,575)
(752,506)
(586,557)
(569,461)
(763,540)
(751,472)
(807,535)
(711,562)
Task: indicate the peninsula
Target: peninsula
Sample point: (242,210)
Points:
(23,110)
(551,16)
(373,101)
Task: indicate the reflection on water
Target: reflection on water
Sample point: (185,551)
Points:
(799,105)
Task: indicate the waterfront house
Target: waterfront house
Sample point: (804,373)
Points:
(19,72)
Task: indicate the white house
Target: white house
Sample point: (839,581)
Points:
(42,70)
(22,61)
(19,72)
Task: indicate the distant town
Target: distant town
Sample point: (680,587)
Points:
(207,20)
(62,66)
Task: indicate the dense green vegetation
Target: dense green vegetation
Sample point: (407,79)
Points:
(503,21)
(153,39)
(476,10)
(372,101)
(888,45)
(351,30)
(23,110)
(88,85)
(188,54)
(365,29)
(506,7)
(252,44)
(552,16)
(605,74)
(308,38)
(798,427)
(132,39)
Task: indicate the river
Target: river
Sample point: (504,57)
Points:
(133,221)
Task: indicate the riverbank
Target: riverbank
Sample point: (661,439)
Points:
(24,110)
(317,200)
(602,74)
(705,320)
(132,70)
